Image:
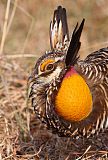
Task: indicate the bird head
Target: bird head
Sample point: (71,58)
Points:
(49,67)
(63,54)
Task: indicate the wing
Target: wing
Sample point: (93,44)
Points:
(94,69)
(95,66)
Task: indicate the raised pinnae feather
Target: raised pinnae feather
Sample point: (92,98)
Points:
(72,53)
(59,33)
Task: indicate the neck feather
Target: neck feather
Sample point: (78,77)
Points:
(70,72)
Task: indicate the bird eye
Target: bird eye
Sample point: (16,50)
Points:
(49,67)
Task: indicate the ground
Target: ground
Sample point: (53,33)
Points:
(22,136)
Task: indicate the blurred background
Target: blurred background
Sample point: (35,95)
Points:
(24,37)
(28,24)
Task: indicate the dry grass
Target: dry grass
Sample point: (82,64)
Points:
(24,37)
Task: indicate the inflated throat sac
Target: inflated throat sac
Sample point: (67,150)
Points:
(74,100)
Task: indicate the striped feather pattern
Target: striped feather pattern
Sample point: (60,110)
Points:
(94,69)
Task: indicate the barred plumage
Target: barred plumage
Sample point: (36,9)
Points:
(50,70)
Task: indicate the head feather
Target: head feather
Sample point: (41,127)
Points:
(59,28)
(72,53)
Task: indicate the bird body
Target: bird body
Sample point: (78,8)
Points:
(68,94)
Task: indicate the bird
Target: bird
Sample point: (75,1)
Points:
(70,95)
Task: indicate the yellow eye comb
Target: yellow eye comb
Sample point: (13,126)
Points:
(43,65)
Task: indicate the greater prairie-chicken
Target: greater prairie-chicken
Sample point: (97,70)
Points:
(68,94)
